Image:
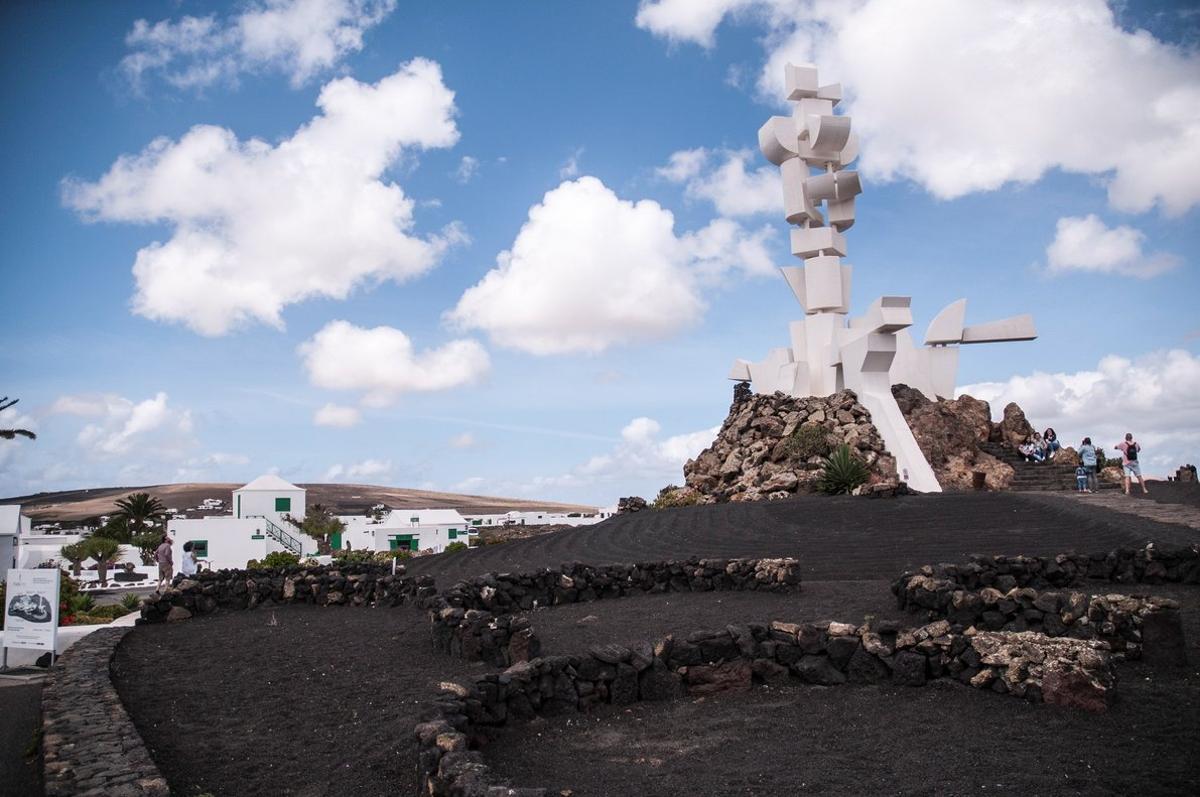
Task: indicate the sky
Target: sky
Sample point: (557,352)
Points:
(513,248)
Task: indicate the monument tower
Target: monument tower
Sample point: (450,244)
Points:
(829,351)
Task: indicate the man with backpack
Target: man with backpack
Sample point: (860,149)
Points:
(1129,458)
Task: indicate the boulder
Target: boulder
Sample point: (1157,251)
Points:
(1014,429)
(631,503)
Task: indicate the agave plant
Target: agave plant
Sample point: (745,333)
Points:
(842,472)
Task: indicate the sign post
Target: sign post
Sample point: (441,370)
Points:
(31,610)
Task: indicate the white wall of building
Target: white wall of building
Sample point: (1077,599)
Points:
(229,542)
(269,496)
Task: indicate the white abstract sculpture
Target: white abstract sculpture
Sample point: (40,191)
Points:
(870,353)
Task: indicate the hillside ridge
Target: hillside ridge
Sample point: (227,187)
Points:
(74,505)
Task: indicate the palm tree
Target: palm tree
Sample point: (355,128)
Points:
(138,509)
(10,434)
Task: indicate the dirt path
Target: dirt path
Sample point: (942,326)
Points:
(1138,506)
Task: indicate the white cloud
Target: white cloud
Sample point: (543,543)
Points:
(727,185)
(129,426)
(464,440)
(570,168)
(1156,396)
(590,270)
(367,469)
(382,364)
(1084,243)
(468,167)
(337,416)
(964,97)
(259,226)
(300,38)
(641,455)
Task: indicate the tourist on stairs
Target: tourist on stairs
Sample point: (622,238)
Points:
(1129,458)
(1051,439)
(1087,459)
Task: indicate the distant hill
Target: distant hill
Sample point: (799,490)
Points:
(347,499)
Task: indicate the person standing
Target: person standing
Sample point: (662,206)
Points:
(188,565)
(1129,458)
(1087,459)
(166,563)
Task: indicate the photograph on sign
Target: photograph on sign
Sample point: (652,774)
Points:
(31,609)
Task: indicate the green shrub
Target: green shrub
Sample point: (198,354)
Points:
(354,557)
(274,559)
(455,546)
(1102,461)
(673,496)
(131,601)
(386,557)
(842,472)
(809,440)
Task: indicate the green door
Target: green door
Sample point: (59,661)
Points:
(335,541)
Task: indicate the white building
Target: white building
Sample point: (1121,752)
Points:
(257,527)
(406,529)
(539,517)
(12,525)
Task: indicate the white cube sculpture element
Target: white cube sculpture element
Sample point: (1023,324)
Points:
(871,353)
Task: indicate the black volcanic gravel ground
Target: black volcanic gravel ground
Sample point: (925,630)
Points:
(834,538)
(577,626)
(324,701)
(944,738)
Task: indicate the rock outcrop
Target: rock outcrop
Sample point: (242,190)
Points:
(1014,429)
(773,446)
(949,432)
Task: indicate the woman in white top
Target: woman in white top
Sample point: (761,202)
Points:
(188,566)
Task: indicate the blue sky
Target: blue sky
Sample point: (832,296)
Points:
(366,162)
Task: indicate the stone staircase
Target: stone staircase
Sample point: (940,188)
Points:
(1027,476)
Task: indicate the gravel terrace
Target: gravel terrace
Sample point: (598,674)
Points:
(303,700)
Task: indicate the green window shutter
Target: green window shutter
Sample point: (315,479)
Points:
(283,505)
(200,548)
(414,545)
(453,534)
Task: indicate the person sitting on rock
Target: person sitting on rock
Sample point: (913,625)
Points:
(1087,460)
(1039,448)
(1051,439)
(1030,451)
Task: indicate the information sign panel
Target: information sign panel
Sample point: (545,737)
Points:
(31,609)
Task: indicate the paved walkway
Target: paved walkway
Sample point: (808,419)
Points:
(20,718)
(1117,501)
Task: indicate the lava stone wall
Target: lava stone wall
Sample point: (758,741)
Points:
(473,618)
(1150,565)
(1022,593)
(90,746)
(1069,672)
(349,585)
